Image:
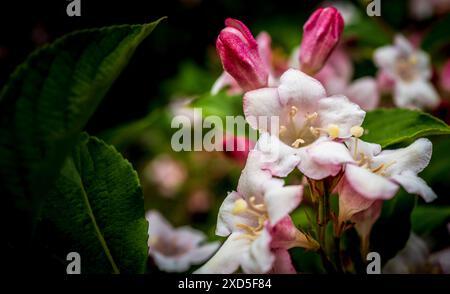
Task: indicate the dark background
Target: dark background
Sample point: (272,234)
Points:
(188,34)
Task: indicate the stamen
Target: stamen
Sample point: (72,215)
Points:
(314,131)
(356,131)
(260,208)
(298,142)
(247,228)
(413,59)
(333,131)
(293,111)
(312,116)
(240,206)
(283,129)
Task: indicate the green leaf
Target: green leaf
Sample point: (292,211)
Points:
(392,229)
(49,99)
(97,204)
(426,218)
(391,126)
(437,38)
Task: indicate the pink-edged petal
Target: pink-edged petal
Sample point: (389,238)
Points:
(442,259)
(330,153)
(285,236)
(337,72)
(418,94)
(314,170)
(364,92)
(413,158)
(365,220)
(415,185)
(350,201)
(280,202)
(339,111)
(283,263)
(278,158)
(368,184)
(299,89)
(260,106)
(259,258)
(228,258)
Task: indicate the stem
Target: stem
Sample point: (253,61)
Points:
(323,216)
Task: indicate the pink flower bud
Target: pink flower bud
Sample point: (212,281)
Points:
(238,51)
(321,33)
(237,147)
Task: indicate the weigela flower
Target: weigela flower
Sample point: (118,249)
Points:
(410,71)
(376,175)
(321,33)
(175,250)
(255,220)
(240,57)
(308,122)
(445,76)
(237,147)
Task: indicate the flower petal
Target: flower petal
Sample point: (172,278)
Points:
(330,153)
(415,185)
(364,92)
(314,170)
(280,202)
(350,201)
(413,158)
(228,258)
(278,158)
(386,57)
(368,184)
(338,110)
(299,89)
(260,106)
(368,149)
(283,263)
(259,258)
(158,225)
(200,254)
(418,94)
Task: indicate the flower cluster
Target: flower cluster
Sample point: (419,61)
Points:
(317,132)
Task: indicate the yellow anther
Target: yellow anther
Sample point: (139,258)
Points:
(333,131)
(293,111)
(413,59)
(312,116)
(240,206)
(298,142)
(356,131)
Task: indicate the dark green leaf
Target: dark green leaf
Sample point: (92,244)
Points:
(438,36)
(426,218)
(49,99)
(392,126)
(98,205)
(392,230)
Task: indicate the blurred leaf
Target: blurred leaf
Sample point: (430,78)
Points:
(48,101)
(306,261)
(438,36)
(97,204)
(222,105)
(438,171)
(426,218)
(391,126)
(366,31)
(392,230)
(190,80)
